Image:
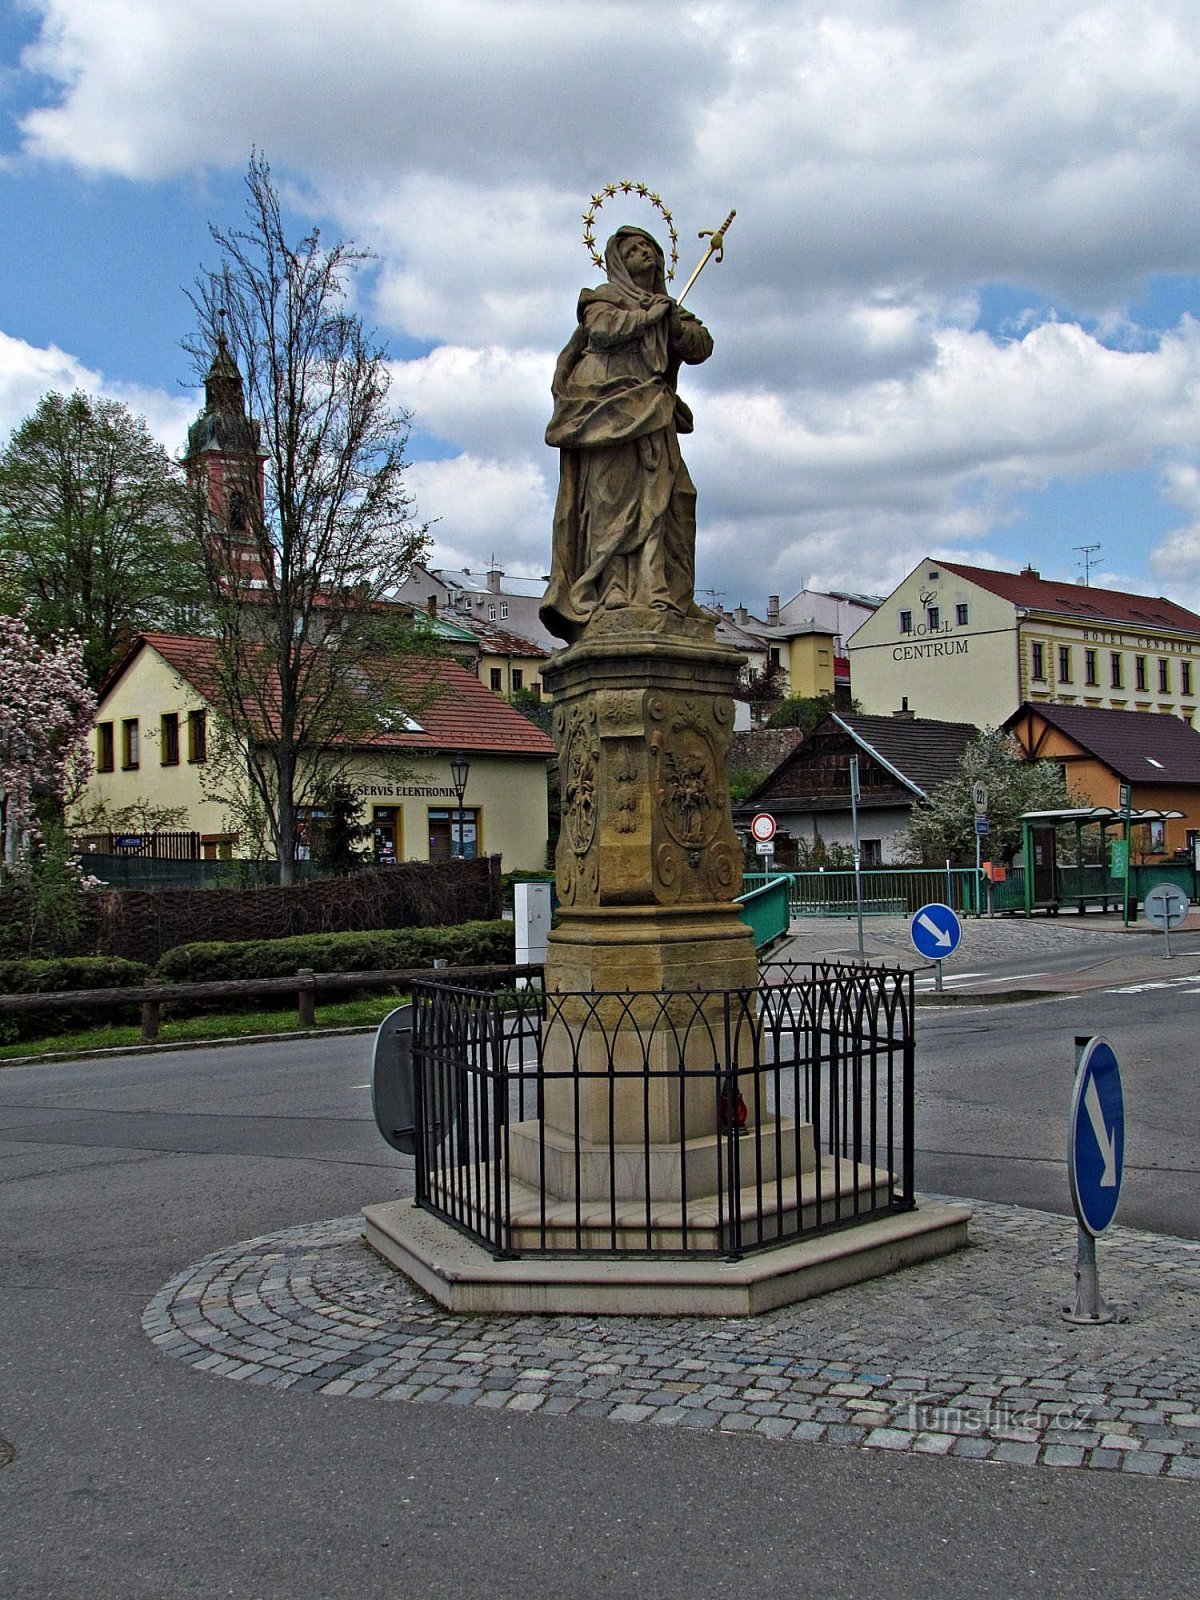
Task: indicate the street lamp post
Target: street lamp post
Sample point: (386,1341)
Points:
(460,767)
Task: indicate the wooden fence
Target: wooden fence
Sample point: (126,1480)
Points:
(306,985)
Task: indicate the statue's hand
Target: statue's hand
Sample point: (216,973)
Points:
(656,306)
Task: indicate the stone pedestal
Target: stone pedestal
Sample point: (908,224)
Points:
(648,868)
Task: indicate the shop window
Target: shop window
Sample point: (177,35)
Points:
(131,744)
(105,759)
(386,834)
(197,736)
(168,740)
(1064,663)
(453,833)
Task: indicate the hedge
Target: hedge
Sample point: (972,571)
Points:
(54,974)
(57,974)
(465,944)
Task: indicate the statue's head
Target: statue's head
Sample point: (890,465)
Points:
(633,259)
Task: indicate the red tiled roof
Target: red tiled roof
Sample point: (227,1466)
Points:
(1077,600)
(461,715)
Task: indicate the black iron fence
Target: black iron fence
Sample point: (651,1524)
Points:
(706,1123)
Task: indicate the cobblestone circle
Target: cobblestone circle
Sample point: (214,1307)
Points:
(967,1356)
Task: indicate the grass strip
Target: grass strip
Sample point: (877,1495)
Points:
(363,1013)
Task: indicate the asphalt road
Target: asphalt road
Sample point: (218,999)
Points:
(133,1475)
(994,1089)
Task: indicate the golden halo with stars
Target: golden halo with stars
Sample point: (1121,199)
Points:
(626,186)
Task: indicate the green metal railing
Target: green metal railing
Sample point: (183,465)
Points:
(886,891)
(766,906)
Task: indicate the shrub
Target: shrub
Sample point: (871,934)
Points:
(465,944)
(57,975)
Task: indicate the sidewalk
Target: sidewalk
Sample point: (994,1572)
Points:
(1110,954)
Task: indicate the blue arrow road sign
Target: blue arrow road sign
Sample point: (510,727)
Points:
(935,932)
(1096,1138)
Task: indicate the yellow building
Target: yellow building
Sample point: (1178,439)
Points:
(156,738)
(963,643)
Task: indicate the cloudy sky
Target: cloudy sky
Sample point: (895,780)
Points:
(959,311)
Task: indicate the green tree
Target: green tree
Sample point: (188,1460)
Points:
(339,841)
(297,579)
(942,828)
(802,711)
(90,519)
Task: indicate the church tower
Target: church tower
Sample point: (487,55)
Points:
(225,455)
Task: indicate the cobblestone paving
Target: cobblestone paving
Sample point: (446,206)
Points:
(963,1357)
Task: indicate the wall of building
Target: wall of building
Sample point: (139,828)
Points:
(1157,671)
(147,690)
(506,794)
(1090,782)
(951,669)
(808,661)
(887,826)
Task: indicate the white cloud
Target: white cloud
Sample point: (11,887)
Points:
(890,163)
(489,508)
(27,372)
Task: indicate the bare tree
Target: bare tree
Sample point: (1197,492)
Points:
(302,514)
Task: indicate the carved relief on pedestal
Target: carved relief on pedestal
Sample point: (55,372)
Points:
(626,776)
(690,794)
(579,755)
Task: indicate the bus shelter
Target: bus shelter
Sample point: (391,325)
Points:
(1070,857)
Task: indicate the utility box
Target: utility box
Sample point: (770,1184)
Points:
(532,913)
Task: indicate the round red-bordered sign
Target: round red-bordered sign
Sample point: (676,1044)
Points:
(762,827)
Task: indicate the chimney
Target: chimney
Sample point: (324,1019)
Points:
(493,579)
(904,713)
(741,615)
(1030,572)
(772,610)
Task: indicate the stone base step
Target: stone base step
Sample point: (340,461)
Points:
(463,1277)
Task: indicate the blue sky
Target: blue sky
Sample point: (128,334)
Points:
(959,312)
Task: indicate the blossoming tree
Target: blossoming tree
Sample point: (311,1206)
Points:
(46,711)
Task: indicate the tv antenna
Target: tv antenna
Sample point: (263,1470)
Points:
(1088,552)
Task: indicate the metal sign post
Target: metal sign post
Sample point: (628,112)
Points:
(1126,798)
(1095,1162)
(979,795)
(857,853)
